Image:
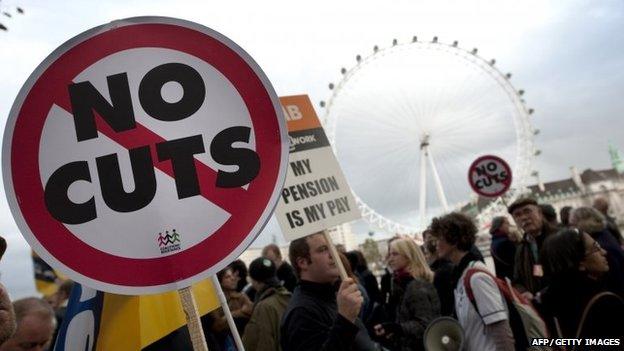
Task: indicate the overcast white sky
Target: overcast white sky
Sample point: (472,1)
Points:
(567,55)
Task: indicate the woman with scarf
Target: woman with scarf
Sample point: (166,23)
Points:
(413,297)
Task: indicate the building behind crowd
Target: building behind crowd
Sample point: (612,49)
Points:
(581,189)
(343,235)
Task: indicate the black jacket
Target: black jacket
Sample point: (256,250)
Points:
(614,230)
(370,284)
(385,286)
(443,283)
(566,299)
(504,253)
(312,322)
(417,305)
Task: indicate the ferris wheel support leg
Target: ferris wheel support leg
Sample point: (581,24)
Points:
(438,183)
(423,187)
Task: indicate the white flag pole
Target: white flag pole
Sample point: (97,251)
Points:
(228,313)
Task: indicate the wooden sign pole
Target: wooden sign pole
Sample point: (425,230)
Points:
(335,256)
(192,319)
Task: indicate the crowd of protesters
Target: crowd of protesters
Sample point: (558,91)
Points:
(570,273)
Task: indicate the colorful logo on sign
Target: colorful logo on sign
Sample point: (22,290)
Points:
(169,242)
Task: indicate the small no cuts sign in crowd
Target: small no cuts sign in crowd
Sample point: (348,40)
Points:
(490,176)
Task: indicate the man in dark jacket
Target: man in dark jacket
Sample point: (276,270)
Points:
(262,331)
(285,272)
(503,250)
(318,316)
(528,271)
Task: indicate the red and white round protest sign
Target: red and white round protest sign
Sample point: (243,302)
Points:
(490,176)
(144,155)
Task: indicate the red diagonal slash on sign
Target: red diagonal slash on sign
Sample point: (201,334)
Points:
(249,209)
(227,198)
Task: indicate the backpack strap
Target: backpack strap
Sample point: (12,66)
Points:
(469,273)
(496,257)
(589,306)
(558,330)
(469,292)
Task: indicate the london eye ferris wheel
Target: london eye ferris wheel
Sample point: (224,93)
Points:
(406,122)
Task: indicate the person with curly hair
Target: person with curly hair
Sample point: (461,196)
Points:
(486,319)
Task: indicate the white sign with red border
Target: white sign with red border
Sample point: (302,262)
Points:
(490,176)
(144,155)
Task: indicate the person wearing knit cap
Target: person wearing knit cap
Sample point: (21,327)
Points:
(285,272)
(262,270)
(262,333)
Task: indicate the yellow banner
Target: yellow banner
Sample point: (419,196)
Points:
(130,323)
